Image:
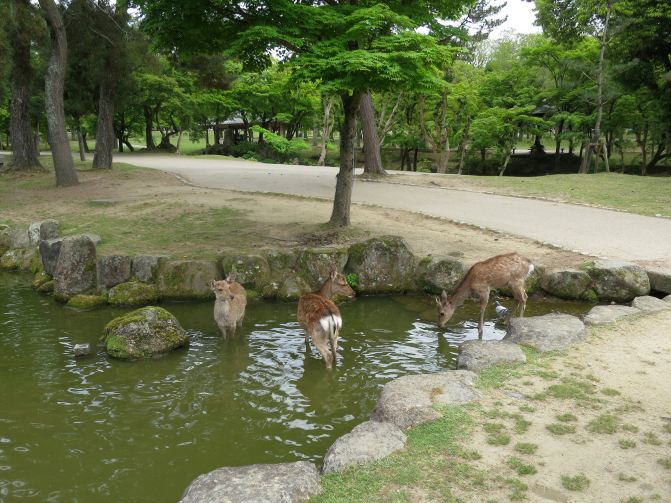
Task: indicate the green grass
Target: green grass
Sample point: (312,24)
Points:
(605,424)
(665,462)
(521,467)
(560,429)
(498,439)
(666,428)
(526,448)
(610,392)
(651,439)
(631,428)
(633,499)
(519,489)
(577,482)
(566,418)
(626,443)
(626,478)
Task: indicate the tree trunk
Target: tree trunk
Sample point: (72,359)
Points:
(371,143)
(462,145)
(179,140)
(326,131)
(149,127)
(592,147)
(560,129)
(414,159)
(340,217)
(24,150)
(54,83)
(102,159)
(403,155)
(80,139)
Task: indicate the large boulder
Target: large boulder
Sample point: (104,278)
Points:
(477,354)
(186,279)
(271,483)
(113,270)
(649,304)
(441,273)
(313,265)
(50,249)
(660,281)
(408,401)
(144,267)
(604,315)
(546,333)
(133,293)
(143,333)
(382,265)
(566,283)
(76,267)
(366,442)
(618,281)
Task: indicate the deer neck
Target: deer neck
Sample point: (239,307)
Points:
(327,289)
(461,293)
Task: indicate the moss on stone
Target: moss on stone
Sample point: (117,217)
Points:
(87,301)
(186,279)
(40,279)
(133,293)
(47,287)
(589,296)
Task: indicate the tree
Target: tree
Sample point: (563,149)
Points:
(350,47)
(22,28)
(54,83)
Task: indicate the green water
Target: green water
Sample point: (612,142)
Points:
(96,429)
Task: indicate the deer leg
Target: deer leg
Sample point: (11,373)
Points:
(520,296)
(334,348)
(320,339)
(484,300)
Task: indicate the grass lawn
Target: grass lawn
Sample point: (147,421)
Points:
(644,195)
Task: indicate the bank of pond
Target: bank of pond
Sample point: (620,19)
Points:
(100,429)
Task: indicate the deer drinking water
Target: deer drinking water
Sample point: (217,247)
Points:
(320,317)
(229,306)
(509,270)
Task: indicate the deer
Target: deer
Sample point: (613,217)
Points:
(321,318)
(510,270)
(229,306)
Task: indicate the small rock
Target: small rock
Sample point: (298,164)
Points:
(50,249)
(546,333)
(604,315)
(82,349)
(20,239)
(408,401)
(476,355)
(87,301)
(660,280)
(366,442)
(144,266)
(94,237)
(649,304)
(49,229)
(76,267)
(271,483)
(113,270)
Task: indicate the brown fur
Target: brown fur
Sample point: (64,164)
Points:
(313,307)
(509,270)
(229,306)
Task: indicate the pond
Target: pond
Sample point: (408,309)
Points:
(96,429)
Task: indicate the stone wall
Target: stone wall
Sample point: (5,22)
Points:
(71,267)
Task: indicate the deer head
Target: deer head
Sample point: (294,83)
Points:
(446,308)
(337,284)
(222,290)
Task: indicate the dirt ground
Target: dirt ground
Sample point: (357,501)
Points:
(265,221)
(614,392)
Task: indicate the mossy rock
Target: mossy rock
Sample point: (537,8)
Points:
(87,301)
(251,271)
(382,265)
(40,279)
(440,273)
(5,238)
(25,259)
(566,283)
(618,281)
(75,271)
(133,293)
(313,265)
(46,288)
(143,333)
(186,279)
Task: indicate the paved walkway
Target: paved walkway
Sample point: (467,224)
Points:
(588,230)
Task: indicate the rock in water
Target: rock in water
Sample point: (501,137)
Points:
(113,270)
(546,333)
(618,281)
(272,483)
(382,265)
(476,355)
(566,283)
(82,349)
(143,333)
(76,267)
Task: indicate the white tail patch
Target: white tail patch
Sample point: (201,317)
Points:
(531,269)
(331,323)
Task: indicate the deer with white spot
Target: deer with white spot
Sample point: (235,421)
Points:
(509,270)
(321,318)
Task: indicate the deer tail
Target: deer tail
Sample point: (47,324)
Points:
(331,323)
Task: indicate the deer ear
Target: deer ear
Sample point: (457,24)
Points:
(443,296)
(231,276)
(438,301)
(334,271)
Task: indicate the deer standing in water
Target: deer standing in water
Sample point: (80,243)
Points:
(229,306)
(320,317)
(509,270)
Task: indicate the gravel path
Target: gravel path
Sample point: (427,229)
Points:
(593,231)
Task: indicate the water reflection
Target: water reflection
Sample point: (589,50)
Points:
(95,429)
